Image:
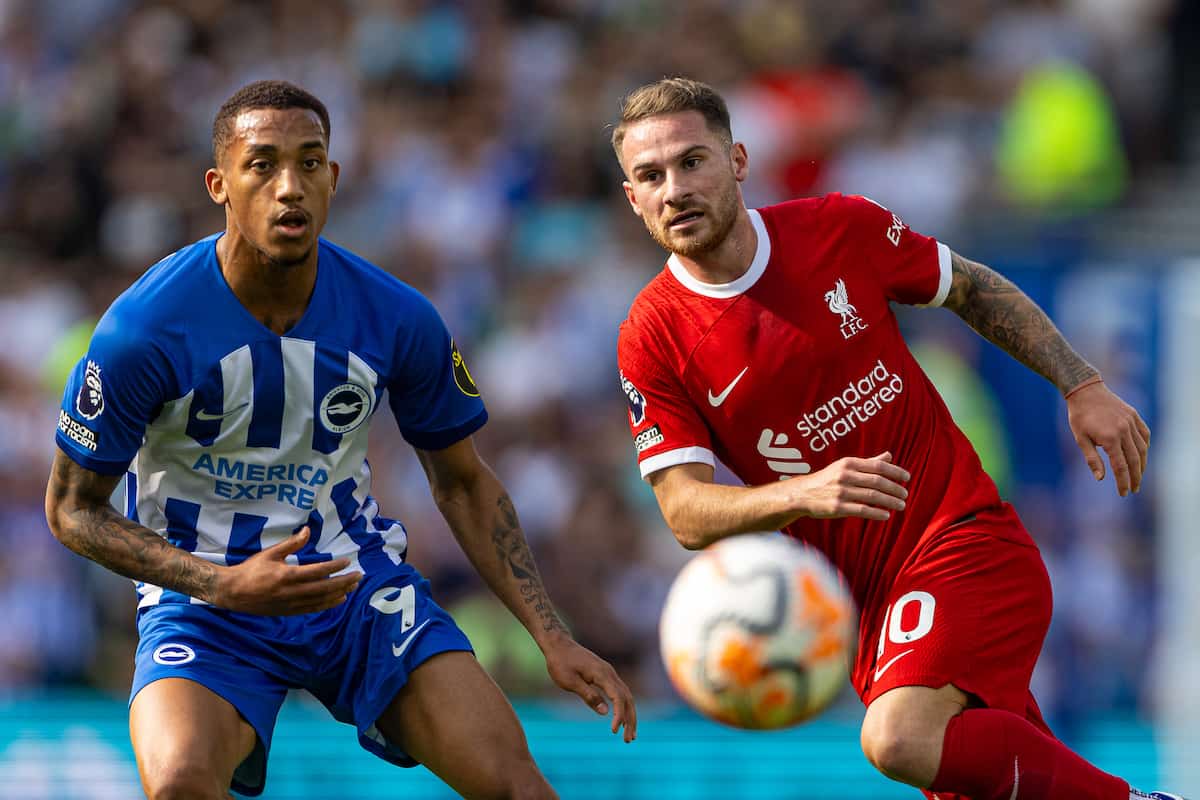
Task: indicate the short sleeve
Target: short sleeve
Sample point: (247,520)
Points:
(432,394)
(113,393)
(912,268)
(666,428)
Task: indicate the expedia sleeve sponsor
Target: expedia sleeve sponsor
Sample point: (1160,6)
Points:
(77,432)
(648,438)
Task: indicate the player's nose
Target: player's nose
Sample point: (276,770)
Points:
(288,185)
(676,192)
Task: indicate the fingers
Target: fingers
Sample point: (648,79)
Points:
(1142,427)
(319,595)
(607,683)
(291,544)
(1141,440)
(881,465)
(1091,456)
(1134,457)
(624,710)
(865,511)
(1133,462)
(1120,467)
(884,498)
(320,569)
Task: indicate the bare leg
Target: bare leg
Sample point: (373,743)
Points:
(188,740)
(453,718)
(903,731)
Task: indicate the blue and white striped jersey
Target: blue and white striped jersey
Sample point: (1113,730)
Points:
(233,437)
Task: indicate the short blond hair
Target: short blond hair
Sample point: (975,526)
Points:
(671,96)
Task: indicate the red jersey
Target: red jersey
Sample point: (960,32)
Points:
(800,362)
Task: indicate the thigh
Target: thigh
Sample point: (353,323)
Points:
(225,668)
(184,734)
(453,718)
(972,612)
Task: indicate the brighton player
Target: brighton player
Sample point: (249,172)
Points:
(767,342)
(233,386)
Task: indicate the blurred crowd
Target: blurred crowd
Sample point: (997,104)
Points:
(476,166)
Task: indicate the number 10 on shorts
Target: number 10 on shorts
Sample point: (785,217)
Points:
(893,620)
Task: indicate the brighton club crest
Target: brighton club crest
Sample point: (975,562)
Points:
(839,303)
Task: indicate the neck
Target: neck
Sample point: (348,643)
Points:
(729,260)
(276,294)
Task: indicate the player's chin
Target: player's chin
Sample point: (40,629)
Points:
(692,243)
(289,249)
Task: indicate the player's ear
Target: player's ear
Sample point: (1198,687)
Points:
(215,182)
(335,169)
(740,161)
(628,187)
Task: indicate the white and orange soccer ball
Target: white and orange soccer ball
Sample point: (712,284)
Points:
(757,632)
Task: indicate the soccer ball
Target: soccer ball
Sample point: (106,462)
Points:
(757,632)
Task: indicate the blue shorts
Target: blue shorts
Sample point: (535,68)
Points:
(353,658)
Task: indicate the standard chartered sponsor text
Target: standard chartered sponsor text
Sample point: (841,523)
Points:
(861,400)
(285,483)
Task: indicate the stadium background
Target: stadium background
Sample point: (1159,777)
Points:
(1056,140)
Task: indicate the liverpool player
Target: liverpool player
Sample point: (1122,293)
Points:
(768,342)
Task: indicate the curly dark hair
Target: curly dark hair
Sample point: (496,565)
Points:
(262,94)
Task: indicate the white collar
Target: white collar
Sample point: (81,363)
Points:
(739,285)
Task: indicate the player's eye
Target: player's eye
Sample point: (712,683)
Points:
(691,162)
(312,163)
(260,165)
(650,177)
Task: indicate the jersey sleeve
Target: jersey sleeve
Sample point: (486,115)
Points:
(432,394)
(113,393)
(912,268)
(666,428)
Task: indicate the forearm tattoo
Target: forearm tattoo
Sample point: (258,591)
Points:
(1005,316)
(512,549)
(88,524)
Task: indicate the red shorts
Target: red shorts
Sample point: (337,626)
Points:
(970,608)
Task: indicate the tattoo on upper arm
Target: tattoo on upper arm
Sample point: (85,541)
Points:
(996,308)
(512,549)
(85,521)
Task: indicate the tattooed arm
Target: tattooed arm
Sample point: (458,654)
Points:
(81,517)
(1005,316)
(483,520)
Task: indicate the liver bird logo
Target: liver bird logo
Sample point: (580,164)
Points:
(839,303)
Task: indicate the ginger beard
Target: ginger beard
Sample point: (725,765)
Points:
(705,237)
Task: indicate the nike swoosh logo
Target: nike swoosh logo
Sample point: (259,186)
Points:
(718,399)
(398,650)
(204,416)
(879,672)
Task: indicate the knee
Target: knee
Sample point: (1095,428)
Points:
(182,782)
(525,781)
(902,749)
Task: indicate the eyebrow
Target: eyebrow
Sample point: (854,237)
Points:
(641,165)
(257,149)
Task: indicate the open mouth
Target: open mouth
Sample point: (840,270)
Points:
(685,219)
(292,223)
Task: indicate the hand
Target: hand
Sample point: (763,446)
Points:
(1099,418)
(577,669)
(854,487)
(266,584)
